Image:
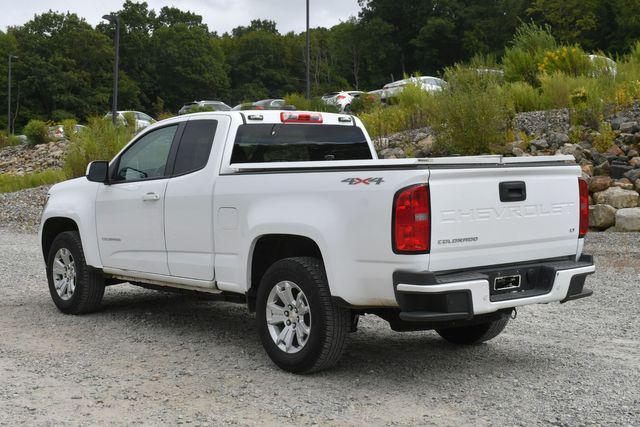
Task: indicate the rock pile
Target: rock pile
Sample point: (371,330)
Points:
(22,159)
(613,175)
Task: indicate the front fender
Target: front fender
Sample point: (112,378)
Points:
(75,200)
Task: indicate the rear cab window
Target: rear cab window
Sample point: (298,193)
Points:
(295,142)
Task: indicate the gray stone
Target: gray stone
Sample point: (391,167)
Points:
(629,127)
(628,219)
(599,183)
(540,143)
(617,121)
(619,198)
(618,171)
(558,138)
(602,169)
(602,216)
(632,175)
(634,161)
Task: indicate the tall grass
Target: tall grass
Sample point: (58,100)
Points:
(10,183)
(101,140)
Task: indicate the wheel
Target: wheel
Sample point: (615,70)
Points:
(300,326)
(74,286)
(474,334)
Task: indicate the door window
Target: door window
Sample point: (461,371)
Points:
(195,146)
(147,157)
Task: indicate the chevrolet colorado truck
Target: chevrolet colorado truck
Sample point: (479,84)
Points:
(293,213)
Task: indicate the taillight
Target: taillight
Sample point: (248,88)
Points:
(287,117)
(584,207)
(340,97)
(412,220)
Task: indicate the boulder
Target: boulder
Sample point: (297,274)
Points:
(602,169)
(635,161)
(587,168)
(558,138)
(629,127)
(599,183)
(425,146)
(392,153)
(632,175)
(616,122)
(618,198)
(614,151)
(628,219)
(517,151)
(602,216)
(633,153)
(623,183)
(618,170)
(540,144)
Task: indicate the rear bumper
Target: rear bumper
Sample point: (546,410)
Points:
(425,296)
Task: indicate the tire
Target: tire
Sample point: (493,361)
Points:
(328,324)
(88,285)
(475,334)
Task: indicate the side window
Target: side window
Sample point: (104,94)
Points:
(195,146)
(147,157)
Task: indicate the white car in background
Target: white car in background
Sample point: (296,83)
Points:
(208,105)
(426,83)
(342,100)
(603,65)
(142,120)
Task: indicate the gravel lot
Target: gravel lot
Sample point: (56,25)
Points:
(159,358)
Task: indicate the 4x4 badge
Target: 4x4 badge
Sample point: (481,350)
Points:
(365,181)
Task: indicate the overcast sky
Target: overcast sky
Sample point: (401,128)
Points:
(220,15)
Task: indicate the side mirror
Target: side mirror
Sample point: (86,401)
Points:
(98,171)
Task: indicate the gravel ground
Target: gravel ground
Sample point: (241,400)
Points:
(160,358)
(21,210)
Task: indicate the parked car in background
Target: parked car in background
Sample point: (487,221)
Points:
(210,105)
(142,120)
(57,131)
(426,83)
(265,104)
(342,99)
(603,65)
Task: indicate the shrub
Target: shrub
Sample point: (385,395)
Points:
(99,141)
(69,127)
(201,109)
(37,132)
(10,183)
(365,103)
(165,115)
(524,97)
(527,50)
(572,61)
(313,104)
(605,138)
(8,140)
(472,115)
(130,119)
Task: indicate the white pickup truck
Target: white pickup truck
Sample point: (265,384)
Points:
(294,212)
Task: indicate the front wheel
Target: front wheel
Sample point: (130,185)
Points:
(301,328)
(74,286)
(474,334)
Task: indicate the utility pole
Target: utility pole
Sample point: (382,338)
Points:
(308,54)
(9,127)
(115,19)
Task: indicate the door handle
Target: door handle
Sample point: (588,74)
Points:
(150,197)
(513,191)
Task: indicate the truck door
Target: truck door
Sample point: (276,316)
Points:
(130,210)
(189,216)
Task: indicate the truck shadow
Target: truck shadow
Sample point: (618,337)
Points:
(219,327)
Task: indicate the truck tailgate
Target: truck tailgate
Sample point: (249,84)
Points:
(475,223)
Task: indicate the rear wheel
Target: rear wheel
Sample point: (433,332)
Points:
(74,286)
(301,328)
(474,334)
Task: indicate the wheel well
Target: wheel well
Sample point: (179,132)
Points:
(271,248)
(52,227)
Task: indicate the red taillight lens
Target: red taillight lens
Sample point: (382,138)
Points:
(340,97)
(287,117)
(584,207)
(412,220)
